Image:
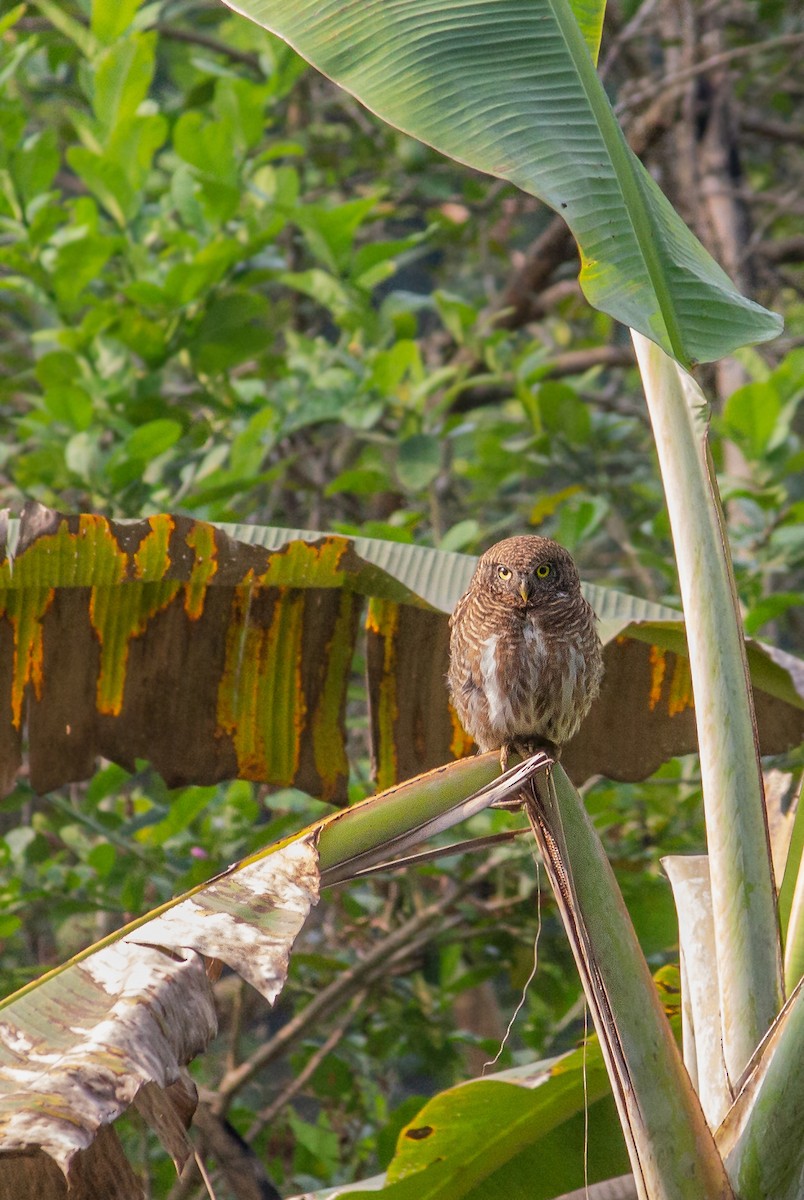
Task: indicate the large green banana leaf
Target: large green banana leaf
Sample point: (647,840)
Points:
(509,87)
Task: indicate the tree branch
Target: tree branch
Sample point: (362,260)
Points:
(244,57)
(723,58)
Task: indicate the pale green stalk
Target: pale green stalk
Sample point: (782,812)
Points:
(672,1149)
(701,1020)
(791,903)
(746,928)
(794,941)
(761,1139)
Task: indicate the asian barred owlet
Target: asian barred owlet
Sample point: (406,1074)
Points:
(525,659)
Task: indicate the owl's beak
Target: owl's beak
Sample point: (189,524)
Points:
(524,591)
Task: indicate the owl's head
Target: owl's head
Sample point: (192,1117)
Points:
(529,572)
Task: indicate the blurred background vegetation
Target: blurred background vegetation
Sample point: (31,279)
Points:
(227,290)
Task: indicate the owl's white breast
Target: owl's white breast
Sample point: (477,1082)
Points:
(534,639)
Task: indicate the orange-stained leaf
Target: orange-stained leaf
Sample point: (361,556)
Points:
(223,652)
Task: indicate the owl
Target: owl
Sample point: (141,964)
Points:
(525,657)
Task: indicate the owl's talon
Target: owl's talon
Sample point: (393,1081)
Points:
(527,749)
(539,746)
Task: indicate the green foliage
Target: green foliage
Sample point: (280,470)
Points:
(129,844)
(762,420)
(229,319)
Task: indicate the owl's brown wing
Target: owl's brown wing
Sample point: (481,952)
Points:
(466,682)
(464,647)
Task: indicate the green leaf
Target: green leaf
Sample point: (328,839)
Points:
(153,438)
(474,1140)
(330,232)
(579,519)
(418,461)
(146,338)
(57,15)
(111,18)
(35,164)
(460,535)
(57,367)
(509,87)
(458,316)
(481,1140)
(187,280)
(562,411)
(749,417)
(10,19)
(208,146)
(234,327)
(184,808)
(106,180)
(103,858)
(792,883)
(78,264)
(184,191)
(69,404)
(589,15)
(323,287)
(361,481)
(123,75)
(769,608)
(547,504)
(83,456)
(391,366)
(376,257)
(133,144)
(240,105)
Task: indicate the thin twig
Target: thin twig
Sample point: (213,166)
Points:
(629,31)
(721,59)
(784,250)
(374,962)
(232,1052)
(244,57)
(267,1114)
(781,131)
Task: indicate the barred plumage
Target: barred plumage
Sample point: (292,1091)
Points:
(525,658)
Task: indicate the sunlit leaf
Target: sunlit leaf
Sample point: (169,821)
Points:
(509,87)
(117,1025)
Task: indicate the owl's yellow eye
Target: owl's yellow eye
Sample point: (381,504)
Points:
(543,570)
(503,573)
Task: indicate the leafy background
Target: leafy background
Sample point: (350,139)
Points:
(228,291)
